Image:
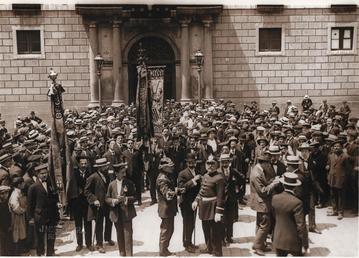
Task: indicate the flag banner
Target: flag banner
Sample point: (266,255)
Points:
(143,104)
(156,80)
(60,165)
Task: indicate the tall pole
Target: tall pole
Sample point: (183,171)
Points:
(199,83)
(99,88)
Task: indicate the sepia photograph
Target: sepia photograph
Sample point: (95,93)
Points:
(179,128)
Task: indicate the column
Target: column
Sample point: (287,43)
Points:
(117,64)
(185,76)
(208,65)
(93,50)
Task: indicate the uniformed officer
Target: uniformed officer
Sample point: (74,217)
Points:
(210,201)
(167,203)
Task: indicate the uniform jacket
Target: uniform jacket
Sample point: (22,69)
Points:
(212,187)
(185,181)
(42,204)
(260,190)
(95,189)
(290,232)
(167,199)
(123,211)
(338,164)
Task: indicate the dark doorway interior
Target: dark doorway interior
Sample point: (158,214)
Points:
(158,52)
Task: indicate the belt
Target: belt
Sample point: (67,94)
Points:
(209,198)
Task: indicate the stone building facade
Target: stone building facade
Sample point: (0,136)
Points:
(234,66)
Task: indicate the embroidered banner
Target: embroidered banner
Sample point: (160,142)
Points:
(156,79)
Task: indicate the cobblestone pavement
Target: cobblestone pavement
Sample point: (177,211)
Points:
(338,238)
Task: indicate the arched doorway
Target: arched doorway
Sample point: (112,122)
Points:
(158,52)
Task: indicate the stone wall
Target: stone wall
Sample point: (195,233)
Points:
(242,75)
(24,82)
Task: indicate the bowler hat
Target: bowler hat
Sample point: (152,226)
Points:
(191,157)
(290,178)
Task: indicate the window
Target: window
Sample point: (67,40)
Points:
(28,42)
(342,38)
(270,39)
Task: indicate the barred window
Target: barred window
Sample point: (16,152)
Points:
(28,41)
(342,38)
(270,39)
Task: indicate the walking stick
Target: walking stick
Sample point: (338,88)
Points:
(194,228)
(94,234)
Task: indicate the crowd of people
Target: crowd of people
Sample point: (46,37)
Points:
(202,160)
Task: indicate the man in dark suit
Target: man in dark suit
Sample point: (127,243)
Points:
(210,201)
(190,180)
(113,157)
(260,200)
(43,205)
(278,166)
(203,152)
(120,197)
(134,159)
(290,232)
(95,191)
(79,205)
(231,189)
(167,204)
(177,154)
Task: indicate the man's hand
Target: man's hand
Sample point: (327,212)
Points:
(305,250)
(217,217)
(194,205)
(121,199)
(96,203)
(197,177)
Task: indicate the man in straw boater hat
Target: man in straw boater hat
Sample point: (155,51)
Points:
(95,191)
(190,179)
(261,189)
(290,233)
(210,201)
(120,197)
(167,203)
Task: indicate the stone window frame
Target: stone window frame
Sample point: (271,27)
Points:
(268,26)
(42,42)
(352,51)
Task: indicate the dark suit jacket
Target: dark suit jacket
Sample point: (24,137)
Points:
(95,189)
(123,211)
(42,204)
(167,200)
(290,232)
(185,181)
